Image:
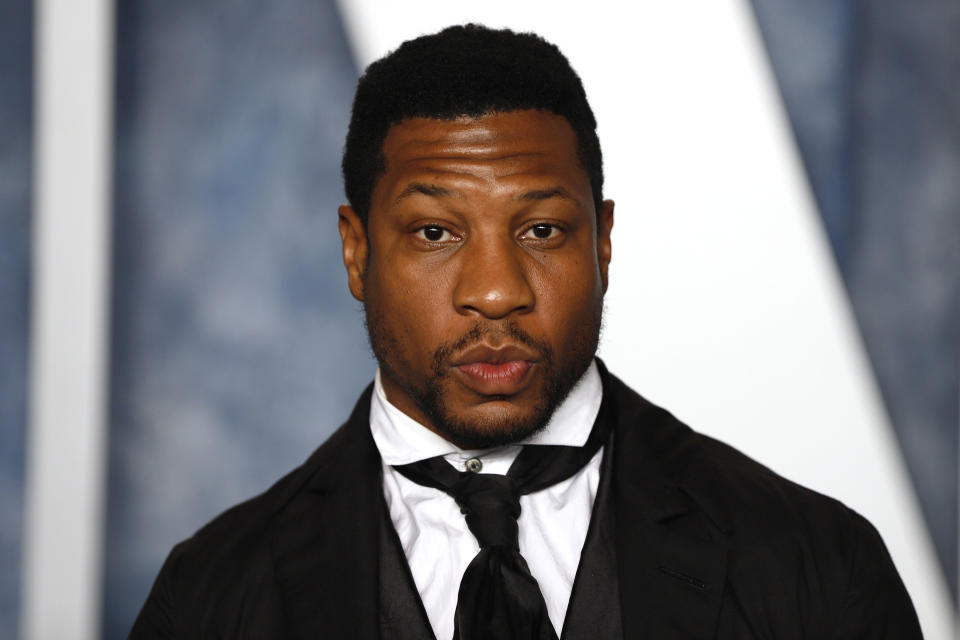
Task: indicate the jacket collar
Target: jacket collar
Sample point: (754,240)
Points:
(327,564)
(671,545)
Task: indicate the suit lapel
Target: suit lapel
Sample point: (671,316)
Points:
(672,554)
(326,546)
(671,550)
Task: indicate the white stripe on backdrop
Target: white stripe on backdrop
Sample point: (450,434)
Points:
(66,437)
(725,305)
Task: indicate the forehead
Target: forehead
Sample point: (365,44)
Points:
(515,148)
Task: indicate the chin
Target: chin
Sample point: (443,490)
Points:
(494,427)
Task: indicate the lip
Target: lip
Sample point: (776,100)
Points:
(495,371)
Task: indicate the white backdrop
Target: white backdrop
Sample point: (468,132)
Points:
(724,305)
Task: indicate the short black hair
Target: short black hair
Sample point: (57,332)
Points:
(469,70)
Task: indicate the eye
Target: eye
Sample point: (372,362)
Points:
(435,233)
(542,231)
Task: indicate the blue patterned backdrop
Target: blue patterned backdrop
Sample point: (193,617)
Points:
(16,80)
(236,346)
(872,88)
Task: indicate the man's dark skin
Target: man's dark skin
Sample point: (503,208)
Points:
(479,224)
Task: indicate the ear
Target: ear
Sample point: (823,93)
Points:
(604,249)
(353,235)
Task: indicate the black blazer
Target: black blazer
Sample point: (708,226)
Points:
(709,544)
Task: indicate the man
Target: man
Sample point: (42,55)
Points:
(496,481)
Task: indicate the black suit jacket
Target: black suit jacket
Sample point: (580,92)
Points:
(709,544)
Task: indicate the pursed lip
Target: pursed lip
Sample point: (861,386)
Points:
(503,371)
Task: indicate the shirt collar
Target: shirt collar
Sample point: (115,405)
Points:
(402,440)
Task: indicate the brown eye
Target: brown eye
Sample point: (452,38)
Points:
(542,231)
(435,233)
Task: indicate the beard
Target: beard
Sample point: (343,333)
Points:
(559,375)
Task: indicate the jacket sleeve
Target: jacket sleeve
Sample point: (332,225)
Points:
(877,605)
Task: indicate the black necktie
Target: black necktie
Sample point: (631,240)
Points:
(498,598)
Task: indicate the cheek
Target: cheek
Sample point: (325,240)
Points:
(568,290)
(413,302)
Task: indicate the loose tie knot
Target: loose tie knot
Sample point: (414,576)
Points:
(491,506)
(498,597)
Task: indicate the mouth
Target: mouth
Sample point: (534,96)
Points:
(500,371)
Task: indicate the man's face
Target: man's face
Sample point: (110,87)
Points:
(482,270)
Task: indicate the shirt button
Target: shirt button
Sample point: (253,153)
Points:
(474,465)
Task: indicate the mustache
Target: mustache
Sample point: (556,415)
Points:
(511,331)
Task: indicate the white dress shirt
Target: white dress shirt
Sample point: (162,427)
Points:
(434,535)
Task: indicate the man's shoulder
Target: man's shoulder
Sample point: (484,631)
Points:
(242,528)
(778,533)
(759,503)
(740,495)
(241,540)
(246,558)
(246,527)
(230,563)
(787,549)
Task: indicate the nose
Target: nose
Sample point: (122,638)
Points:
(492,280)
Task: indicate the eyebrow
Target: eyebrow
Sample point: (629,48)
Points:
(546,194)
(432,190)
